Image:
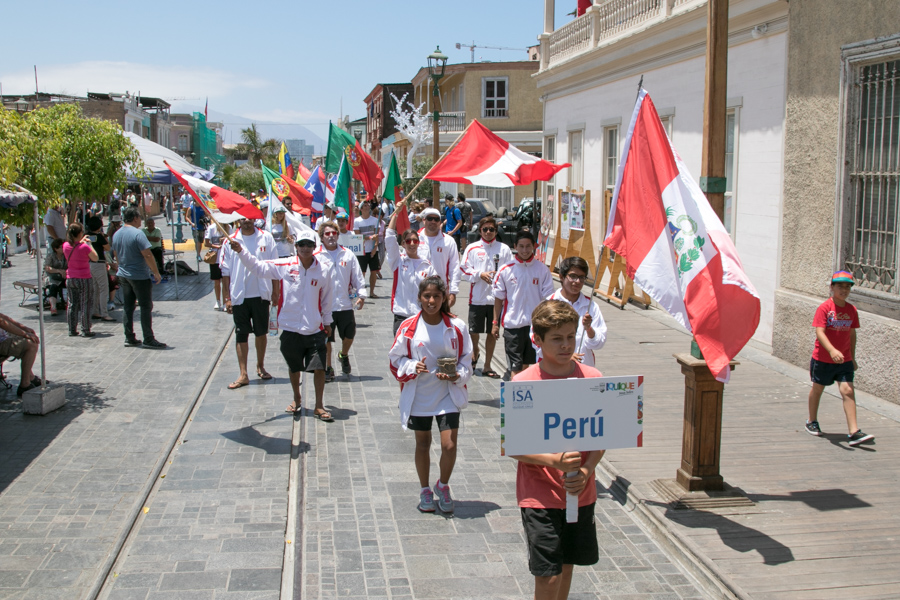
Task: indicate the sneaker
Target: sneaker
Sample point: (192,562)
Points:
(345,363)
(812,428)
(216,306)
(426,501)
(132,342)
(110,306)
(859,437)
(329,374)
(153,344)
(444,501)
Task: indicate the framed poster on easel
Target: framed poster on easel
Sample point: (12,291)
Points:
(575,238)
(620,289)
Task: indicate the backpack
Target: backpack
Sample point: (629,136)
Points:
(183,268)
(466,212)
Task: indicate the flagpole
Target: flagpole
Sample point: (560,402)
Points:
(205,208)
(450,147)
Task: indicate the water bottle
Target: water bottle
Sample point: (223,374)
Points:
(273,320)
(353,297)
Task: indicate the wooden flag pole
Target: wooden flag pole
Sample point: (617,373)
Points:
(408,197)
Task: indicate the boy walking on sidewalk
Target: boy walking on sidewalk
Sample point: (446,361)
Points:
(833,357)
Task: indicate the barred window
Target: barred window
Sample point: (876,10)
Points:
(870,223)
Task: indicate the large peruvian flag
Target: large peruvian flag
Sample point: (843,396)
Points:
(225,206)
(483,158)
(676,247)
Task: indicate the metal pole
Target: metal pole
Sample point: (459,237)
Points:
(40,284)
(174,255)
(436,186)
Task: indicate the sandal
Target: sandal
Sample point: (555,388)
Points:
(490,373)
(294,408)
(263,374)
(107,318)
(237,384)
(475,360)
(323,416)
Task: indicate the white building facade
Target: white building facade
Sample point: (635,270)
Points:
(590,69)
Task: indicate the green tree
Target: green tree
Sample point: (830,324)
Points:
(256,148)
(420,168)
(247,179)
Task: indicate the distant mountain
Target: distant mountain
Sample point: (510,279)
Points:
(235,123)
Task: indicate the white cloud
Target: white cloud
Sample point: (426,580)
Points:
(161,81)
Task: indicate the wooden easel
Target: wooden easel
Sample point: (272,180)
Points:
(620,290)
(580,242)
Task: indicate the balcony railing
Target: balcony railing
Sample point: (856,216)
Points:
(607,20)
(454,121)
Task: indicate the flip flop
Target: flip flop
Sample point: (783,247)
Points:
(107,319)
(324,416)
(475,360)
(293,408)
(237,384)
(263,374)
(490,373)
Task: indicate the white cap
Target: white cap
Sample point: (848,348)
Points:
(306,235)
(430,211)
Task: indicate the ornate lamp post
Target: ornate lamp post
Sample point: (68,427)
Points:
(437,61)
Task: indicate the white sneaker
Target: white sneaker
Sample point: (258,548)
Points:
(110,306)
(216,306)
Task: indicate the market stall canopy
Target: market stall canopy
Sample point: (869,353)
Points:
(153,156)
(10,199)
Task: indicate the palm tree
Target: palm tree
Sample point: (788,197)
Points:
(256,148)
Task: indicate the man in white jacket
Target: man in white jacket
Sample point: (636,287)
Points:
(479,266)
(350,294)
(441,251)
(305,315)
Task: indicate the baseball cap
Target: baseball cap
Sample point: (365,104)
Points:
(264,204)
(279,209)
(341,214)
(331,206)
(842,277)
(448,196)
(306,236)
(430,211)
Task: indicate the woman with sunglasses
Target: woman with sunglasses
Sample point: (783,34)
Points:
(409,270)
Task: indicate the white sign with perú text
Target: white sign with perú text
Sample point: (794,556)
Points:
(352,242)
(562,415)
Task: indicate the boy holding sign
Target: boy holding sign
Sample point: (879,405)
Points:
(542,483)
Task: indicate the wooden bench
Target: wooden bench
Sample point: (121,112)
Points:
(28,287)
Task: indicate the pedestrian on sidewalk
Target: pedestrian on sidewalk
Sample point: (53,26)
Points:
(409,271)
(213,239)
(305,314)
(247,297)
(196,216)
(366,224)
(350,294)
(555,546)
(79,255)
(834,356)
(430,392)
(519,287)
(591,333)
(99,270)
(136,267)
(154,236)
(480,263)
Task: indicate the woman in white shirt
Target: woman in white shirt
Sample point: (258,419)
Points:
(284,241)
(409,270)
(429,392)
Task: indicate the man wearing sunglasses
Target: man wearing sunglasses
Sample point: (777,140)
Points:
(305,315)
(348,283)
(480,263)
(441,251)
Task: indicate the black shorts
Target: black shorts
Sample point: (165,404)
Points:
(481,318)
(445,422)
(553,543)
(250,316)
(398,319)
(519,350)
(345,323)
(369,260)
(215,272)
(825,373)
(303,352)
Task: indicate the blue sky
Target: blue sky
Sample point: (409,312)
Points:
(284,62)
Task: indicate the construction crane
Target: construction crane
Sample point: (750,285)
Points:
(472,47)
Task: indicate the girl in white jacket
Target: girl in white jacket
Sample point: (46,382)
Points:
(425,393)
(408,269)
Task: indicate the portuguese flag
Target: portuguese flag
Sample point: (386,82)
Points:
(301,200)
(340,145)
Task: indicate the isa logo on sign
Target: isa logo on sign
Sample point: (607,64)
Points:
(522,397)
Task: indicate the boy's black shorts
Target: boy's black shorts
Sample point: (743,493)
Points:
(519,350)
(553,543)
(250,316)
(368,260)
(825,373)
(344,321)
(445,422)
(303,352)
(481,317)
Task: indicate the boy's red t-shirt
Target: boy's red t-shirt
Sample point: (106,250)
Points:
(837,321)
(541,487)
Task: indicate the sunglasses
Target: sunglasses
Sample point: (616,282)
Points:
(412,242)
(488,229)
(432,218)
(331,233)
(306,244)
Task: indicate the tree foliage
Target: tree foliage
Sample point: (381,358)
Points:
(246,179)
(419,168)
(255,147)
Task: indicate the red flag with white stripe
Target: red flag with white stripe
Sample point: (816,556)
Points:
(224,205)
(676,247)
(483,158)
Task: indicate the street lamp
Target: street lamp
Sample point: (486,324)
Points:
(437,61)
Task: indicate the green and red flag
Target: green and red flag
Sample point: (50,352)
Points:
(393,191)
(343,145)
(283,187)
(342,189)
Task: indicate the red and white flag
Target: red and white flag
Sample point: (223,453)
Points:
(676,247)
(225,206)
(483,158)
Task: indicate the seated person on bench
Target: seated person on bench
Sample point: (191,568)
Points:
(19,341)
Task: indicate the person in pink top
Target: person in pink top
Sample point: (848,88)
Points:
(79,255)
(555,546)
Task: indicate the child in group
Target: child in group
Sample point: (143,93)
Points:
(428,394)
(555,546)
(834,356)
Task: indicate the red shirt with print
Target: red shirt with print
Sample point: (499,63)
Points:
(837,321)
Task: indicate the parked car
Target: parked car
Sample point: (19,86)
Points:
(481,207)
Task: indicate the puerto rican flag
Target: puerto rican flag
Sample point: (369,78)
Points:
(483,158)
(315,185)
(675,246)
